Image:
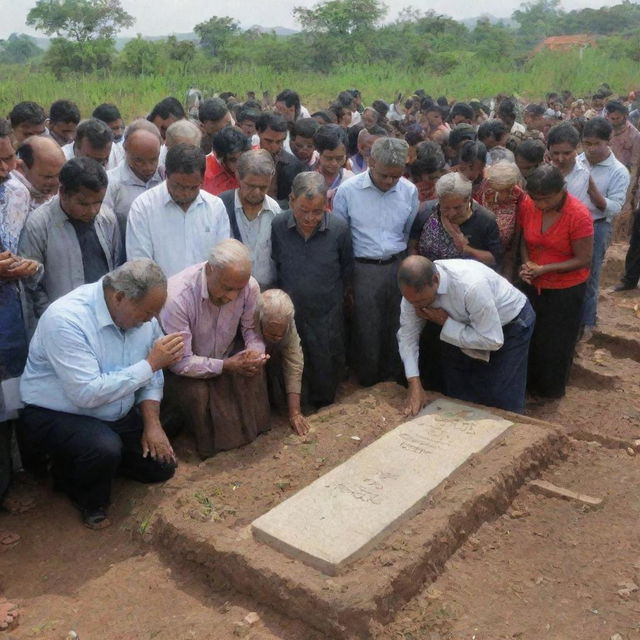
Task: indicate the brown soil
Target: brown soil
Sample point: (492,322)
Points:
(547,568)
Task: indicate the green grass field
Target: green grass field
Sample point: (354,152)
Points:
(471,79)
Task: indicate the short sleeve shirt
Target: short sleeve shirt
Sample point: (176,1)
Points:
(555,243)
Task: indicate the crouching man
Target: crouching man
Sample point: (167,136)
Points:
(92,387)
(486,329)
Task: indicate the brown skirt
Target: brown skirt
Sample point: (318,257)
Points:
(223,412)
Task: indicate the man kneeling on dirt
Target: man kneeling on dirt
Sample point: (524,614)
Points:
(92,387)
(486,329)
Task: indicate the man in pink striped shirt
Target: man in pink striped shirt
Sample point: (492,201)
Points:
(218,387)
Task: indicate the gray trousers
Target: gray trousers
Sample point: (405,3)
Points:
(376,319)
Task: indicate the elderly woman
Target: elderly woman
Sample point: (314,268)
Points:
(286,362)
(314,260)
(220,172)
(557,243)
(455,226)
(502,196)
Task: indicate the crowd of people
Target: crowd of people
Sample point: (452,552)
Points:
(199,266)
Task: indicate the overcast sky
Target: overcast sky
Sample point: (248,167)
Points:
(163,17)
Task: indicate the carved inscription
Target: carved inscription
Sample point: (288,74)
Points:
(371,489)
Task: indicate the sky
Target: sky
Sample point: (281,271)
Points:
(163,17)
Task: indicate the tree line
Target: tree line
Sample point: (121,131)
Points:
(332,32)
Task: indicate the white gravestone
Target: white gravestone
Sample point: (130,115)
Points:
(341,515)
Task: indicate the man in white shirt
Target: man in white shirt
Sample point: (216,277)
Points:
(138,173)
(176,223)
(94,139)
(486,328)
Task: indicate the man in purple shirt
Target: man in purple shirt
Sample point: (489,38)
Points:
(218,387)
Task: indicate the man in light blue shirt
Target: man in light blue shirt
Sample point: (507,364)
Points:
(176,223)
(607,194)
(92,387)
(379,205)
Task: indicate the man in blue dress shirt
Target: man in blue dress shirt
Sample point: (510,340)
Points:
(93,383)
(379,205)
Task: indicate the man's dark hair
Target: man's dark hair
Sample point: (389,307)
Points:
(95,131)
(83,172)
(304,127)
(352,138)
(5,128)
(545,180)
(473,150)
(434,108)
(381,107)
(354,92)
(25,153)
(508,108)
(377,130)
(64,111)
(329,137)
(417,272)
(273,121)
(461,109)
(30,112)
(325,116)
(212,110)
(443,101)
(495,129)
(531,151)
(252,104)
(290,99)
(229,140)
(245,113)
(414,135)
(460,133)
(345,98)
(598,127)
(615,106)
(226,95)
(535,109)
(429,159)
(165,108)
(338,110)
(106,112)
(185,158)
(563,133)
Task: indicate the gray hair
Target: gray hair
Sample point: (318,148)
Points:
(229,252)
(276,305)
(503,175)
(135,278)
(453,184)
(183,131)
(417,272)
(257,162)
(499,154)
(309,184)
(142,124)
(390,152)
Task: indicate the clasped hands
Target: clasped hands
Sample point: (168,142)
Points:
(529,271)
(246,363)
(13,267)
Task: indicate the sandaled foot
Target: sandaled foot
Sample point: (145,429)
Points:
(95,519)
(9,615)
(8,539)
(18,502)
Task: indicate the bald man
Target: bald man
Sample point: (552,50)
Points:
(39,163)
(138,173)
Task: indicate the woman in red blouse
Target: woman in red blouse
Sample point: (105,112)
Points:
(557,242)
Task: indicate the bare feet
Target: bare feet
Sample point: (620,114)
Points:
(8,539)
(9,615)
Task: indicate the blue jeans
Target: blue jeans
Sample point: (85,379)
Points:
(502,381)
(601,240)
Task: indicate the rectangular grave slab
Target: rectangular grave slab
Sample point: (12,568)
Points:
(336,519)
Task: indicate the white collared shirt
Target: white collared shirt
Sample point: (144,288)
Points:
(256,234)
(479,303)
(160,229)
(612,179)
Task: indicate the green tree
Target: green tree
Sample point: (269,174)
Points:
(494,42)
(79,20)
(85,57)
(182,51)
(216,33)
(341,17)
(140,57)
(537,20)
(18,48)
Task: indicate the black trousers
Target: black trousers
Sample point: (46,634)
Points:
(87,453)
(558,318)
(632,261)
(376,320)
